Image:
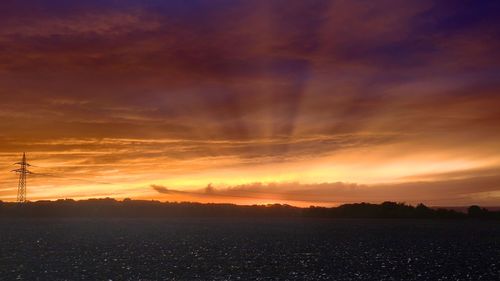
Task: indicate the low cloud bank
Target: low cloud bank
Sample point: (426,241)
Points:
(484,190)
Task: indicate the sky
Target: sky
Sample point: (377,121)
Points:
(252,102)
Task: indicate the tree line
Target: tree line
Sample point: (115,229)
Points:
(109,207)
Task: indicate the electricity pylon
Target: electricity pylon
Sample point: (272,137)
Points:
(22,171)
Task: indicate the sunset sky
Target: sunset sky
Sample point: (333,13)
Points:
(252,102)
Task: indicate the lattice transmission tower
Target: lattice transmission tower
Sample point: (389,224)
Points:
(23,172)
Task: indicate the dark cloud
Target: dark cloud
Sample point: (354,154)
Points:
(164,190)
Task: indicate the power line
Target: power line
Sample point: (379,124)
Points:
(63,177)
(58,175)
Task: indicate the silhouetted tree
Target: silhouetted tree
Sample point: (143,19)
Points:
(109,207)
(422,211)
(475,211)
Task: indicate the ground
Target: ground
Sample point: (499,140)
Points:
(248,249)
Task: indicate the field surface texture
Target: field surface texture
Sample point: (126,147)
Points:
(248,249)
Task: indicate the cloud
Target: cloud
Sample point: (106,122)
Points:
(483,190)
(97,24)
(164,190)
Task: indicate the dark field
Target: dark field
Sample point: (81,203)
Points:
(248,249)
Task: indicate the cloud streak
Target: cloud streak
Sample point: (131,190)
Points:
(483,190)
